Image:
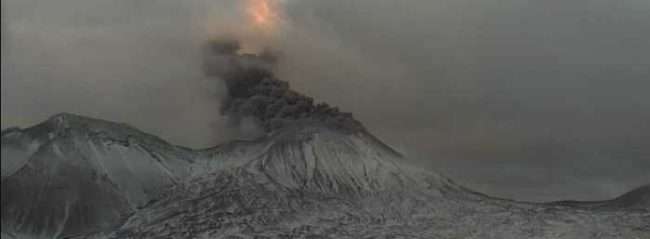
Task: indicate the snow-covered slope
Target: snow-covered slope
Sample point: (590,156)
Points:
(318,182)
(72,175)
(85,178)
(320,159)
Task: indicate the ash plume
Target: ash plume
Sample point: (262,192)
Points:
(254,92)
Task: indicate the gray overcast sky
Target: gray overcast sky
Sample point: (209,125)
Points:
(534,100)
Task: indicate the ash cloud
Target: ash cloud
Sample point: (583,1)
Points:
(254,92)
(516,97)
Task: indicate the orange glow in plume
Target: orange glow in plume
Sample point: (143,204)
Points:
(263,13)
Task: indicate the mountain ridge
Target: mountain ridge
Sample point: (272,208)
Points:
(100,171)
(119,182)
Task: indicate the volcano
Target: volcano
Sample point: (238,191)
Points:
(314,173)
(78,177)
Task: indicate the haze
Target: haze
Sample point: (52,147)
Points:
(520,99)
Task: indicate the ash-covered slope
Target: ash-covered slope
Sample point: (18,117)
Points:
(87,178)
(71,175)
(315,173)
(74,176)
(317,158)
(268,186)
(311,181)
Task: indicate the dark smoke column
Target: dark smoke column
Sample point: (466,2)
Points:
(253,91)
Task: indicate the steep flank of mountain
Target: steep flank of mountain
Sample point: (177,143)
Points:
(73,175)
(313,181)
(16,149)
(325,160)
(306,169)
(85,178)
